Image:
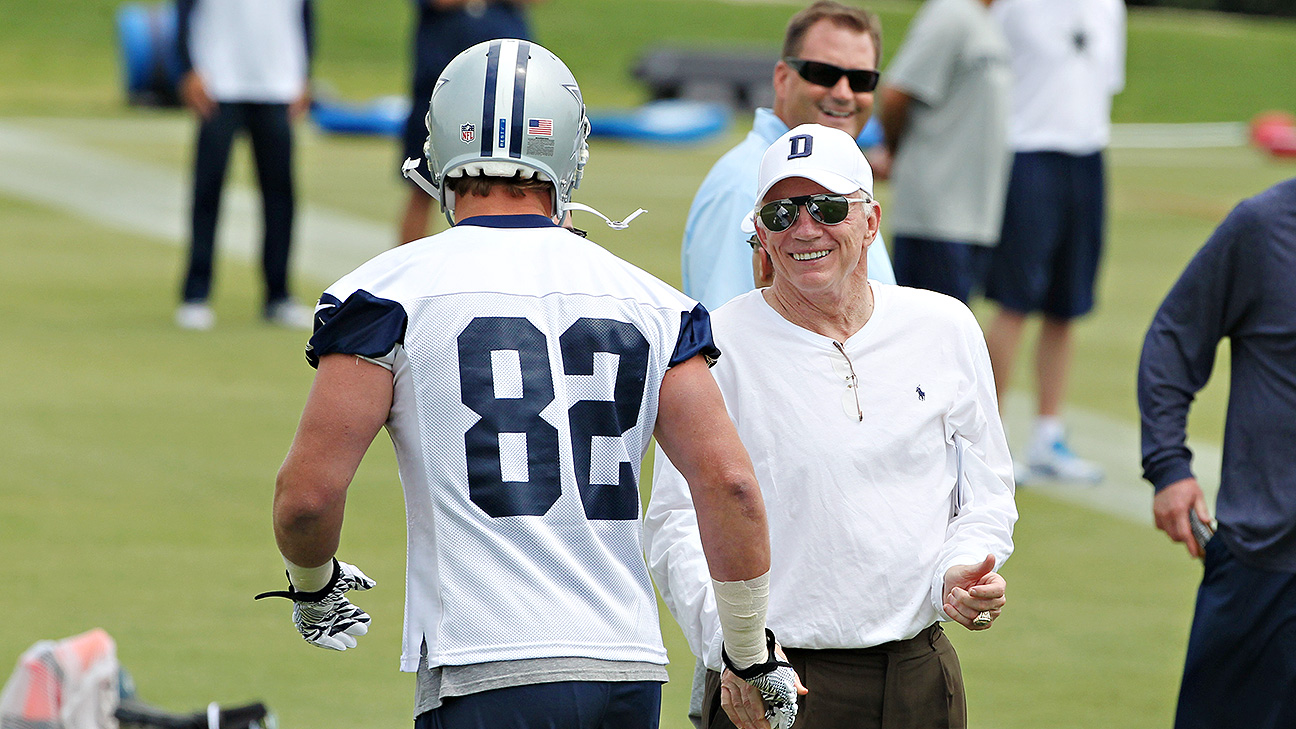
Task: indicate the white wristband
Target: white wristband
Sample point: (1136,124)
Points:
(742,607)
(309,579)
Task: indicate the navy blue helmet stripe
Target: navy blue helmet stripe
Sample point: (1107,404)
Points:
(519,95)
(488,104)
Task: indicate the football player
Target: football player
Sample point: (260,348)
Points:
(520,371)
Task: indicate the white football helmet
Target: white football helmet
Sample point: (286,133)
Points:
(506,107)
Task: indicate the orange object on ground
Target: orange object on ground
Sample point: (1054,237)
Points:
(1275,132)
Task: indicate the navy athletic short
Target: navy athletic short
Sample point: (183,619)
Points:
(949,267)
(1047,258)
(1241,664)
(561,705)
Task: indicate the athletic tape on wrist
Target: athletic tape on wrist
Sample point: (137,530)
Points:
(296,595)
(742,606)
(308,579)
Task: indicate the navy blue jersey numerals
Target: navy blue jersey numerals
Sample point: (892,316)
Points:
(591,418)
(521,414)
(486,484)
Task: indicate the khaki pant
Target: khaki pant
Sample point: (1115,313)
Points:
(906,684)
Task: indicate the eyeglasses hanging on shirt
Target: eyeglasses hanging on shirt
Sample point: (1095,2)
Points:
(852,382)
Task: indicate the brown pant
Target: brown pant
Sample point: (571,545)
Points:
(905,684)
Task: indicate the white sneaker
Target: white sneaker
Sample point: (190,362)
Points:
(1056,461)
(291,315)
(196,316)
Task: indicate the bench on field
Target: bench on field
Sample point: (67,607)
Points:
(741,79)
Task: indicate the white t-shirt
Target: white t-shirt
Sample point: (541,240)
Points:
(949,177)
(860,511)
(1068,60)
(250,50)
(527,363)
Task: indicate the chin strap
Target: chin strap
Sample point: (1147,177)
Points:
(613,224)
(409,170)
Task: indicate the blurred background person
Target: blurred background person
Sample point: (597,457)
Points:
(1241,285)
(246,67)
(945,119)
(442,29)
(1068,60)
(826,75)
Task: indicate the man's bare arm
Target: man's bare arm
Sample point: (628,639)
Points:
(893,115)
(348,404)
(694,430)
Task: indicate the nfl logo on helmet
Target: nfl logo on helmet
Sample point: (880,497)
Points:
(466,133)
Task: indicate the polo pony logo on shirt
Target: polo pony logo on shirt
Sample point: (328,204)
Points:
(921,395)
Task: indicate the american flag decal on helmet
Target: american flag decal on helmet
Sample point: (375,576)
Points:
(540,127)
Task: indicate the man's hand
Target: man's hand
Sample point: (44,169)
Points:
(326,618)
(763,696)
(194,94)
(300,105)
(1171,505)
(974,594)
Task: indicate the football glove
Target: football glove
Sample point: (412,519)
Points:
(326,618)
(776,682)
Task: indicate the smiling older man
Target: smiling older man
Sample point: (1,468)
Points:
(869,413)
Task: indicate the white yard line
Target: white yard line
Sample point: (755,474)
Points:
(1113,444)
(57,170)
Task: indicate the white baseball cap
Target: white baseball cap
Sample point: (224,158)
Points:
(825,155)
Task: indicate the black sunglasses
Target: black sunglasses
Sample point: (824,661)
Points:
(826,74)
(779,215)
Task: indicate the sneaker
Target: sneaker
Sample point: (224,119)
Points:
(290,315)
(1056,461)
(195,315)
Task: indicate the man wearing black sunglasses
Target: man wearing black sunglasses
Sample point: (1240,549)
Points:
(826,76)
(945,115)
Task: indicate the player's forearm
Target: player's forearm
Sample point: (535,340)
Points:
(307,519)
(732,526)
(695,431)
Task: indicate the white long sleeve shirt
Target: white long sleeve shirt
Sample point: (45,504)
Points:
(865,515)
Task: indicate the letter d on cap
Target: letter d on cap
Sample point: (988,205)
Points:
(801,146)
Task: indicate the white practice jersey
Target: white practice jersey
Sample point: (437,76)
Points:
(527,363)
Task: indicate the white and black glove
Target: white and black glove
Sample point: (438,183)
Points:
(776,682)
(325,618)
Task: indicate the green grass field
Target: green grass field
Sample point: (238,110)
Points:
(138,460)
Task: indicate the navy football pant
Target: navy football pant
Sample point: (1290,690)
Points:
(1241,666)
(271,135)
(562,705)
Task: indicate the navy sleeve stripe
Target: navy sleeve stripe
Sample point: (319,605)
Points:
(364,324)
(695,337)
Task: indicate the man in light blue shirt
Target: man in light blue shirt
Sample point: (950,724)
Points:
(826,76)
